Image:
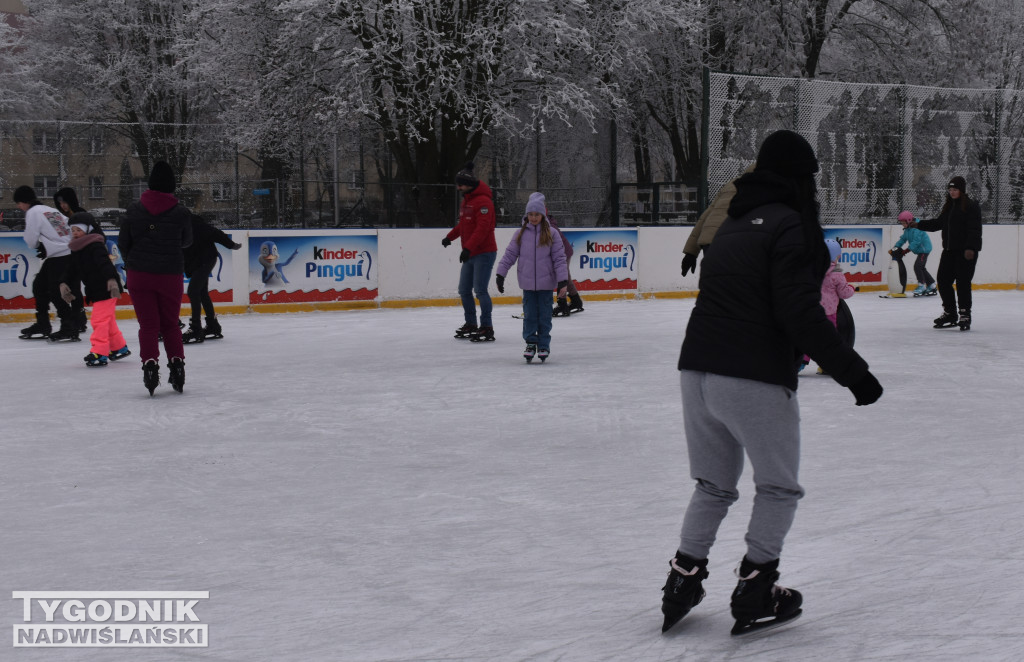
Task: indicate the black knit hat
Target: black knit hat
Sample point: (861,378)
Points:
(161,178)
(787,153)
(958,182)
(25,194)
(465,177)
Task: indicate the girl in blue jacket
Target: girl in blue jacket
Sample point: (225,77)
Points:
(542,268)
(917,242)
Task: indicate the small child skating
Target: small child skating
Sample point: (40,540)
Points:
(90,263)
(541,268)
(833,288)
(917,242)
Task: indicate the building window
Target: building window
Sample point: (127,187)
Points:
(96,145)
(356,180)
(45,186)
(222,191)
(44,141)
(139,186)
(95,188)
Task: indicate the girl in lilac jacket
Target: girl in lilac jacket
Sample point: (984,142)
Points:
(541,268)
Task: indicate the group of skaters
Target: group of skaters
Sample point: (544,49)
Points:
(538,249)
(770,287)
(159,240)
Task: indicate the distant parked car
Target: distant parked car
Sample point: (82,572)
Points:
(109,218)
(12,220)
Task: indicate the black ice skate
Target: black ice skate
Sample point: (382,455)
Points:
(195,334)
(946,319)
(65,334)
(530,352)
(965,320)
(483,334)
(151,375)
(213,330)
(758,603)
(36,332)
(561,310)
(177,374)
(465,331)
(575,304)
(684,588)
(119,354)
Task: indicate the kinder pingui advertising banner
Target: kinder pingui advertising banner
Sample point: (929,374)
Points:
(293,269)
(860,257)
(18,266)
(221,283)
(603,259)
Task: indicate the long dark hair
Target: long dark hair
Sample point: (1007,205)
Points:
(961,202)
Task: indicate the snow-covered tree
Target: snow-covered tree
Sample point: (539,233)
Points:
(120,60)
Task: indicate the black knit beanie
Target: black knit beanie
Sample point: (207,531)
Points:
(161,178)
(465,177)
(25,194)
(787,153)
(958,182)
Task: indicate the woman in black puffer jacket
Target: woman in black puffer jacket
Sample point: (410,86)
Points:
(153,235)
(758,310)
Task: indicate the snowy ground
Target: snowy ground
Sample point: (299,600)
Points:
(361,486)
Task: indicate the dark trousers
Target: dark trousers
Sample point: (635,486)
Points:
(46,290)
(199,293)
(923,277)
(157,302)
(954,267)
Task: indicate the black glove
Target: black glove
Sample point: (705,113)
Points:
(867,390)
(499,280)
(41,252)
(446,242)
(689,263)
(464,255)
(235,246)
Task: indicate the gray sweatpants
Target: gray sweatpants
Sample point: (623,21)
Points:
(722,418)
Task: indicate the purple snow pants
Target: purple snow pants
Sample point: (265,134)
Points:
(157,302)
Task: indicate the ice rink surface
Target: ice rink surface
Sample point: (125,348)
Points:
(361,486)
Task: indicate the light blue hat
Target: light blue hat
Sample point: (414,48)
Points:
(834,249)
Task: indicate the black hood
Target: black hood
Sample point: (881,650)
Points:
(69,196)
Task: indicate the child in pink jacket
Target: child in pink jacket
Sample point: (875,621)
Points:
(833,288)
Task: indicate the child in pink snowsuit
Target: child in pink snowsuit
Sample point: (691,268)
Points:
(833,288)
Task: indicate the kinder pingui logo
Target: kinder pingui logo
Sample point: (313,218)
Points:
(857,252)
(608,255)
(337,265)
(14,269)
(110,619)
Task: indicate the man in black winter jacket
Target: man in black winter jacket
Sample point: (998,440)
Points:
(960,223)
(758,310)
(200,259)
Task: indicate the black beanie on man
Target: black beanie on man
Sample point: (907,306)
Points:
(161,178)
(25,194)
(787,153)
(465,177)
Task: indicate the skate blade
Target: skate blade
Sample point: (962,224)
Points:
(750,630)
(34,337)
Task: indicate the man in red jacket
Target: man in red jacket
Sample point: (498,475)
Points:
(479,250)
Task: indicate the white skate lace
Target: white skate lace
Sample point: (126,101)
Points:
(688,573)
